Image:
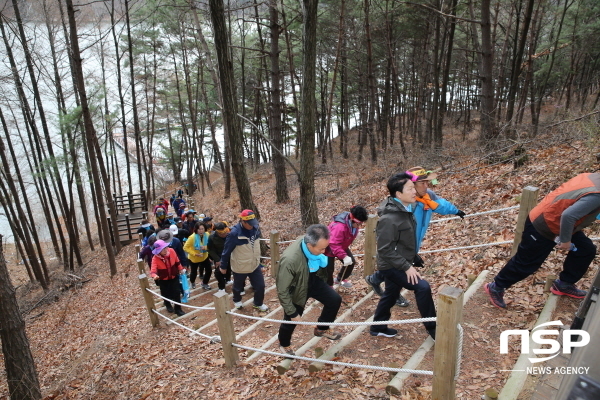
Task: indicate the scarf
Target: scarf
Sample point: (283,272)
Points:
(197,243)
(427,202)
(314,262)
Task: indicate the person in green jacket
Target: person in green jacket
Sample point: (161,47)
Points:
(303,274)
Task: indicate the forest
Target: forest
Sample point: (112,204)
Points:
(113,97)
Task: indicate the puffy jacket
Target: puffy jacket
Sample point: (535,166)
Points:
(396,236)
(546,216)
(241,250)
(216,244)
(166,267)
(423,217)
(191,251)
(292,278)
(341,235)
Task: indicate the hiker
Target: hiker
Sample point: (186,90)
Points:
(177,203)
(146,252)
(196,247)
(180,210)
(216,242)
(172,199)
(161,216)
(179,233)
(303,274)
(427,203)
(342,232)
(555,223)
(190,221)
(242,253)
(146,229)
(167,236)
(396,250)
(165,271)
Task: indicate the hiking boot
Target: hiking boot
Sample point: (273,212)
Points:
(329,334)
(179,312)
(402,302)
(238,305)
(496,294)
(205,286)
(170,309)
(193,285)
(566,289)
(287,350)
(262,307)
(376,287)
(345,283)
(388,332)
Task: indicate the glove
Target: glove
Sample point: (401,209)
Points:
(183,271)
(461,214)
(347,261)
(418,261)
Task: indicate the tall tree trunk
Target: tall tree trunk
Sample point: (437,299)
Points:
(91,142)
(372,88)
(230,107)
(489,131)
(308,203)
(21,374)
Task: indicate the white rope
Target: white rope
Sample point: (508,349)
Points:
(264,240)
(213,339)
(180,304)
(466,247)
(374,367)
(459,351)
(279,321)
(476,214)
(265,258)
(286,241)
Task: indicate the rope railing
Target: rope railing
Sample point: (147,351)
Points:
(459,350)
(343,364)
(475,214)
(213,339)
(280,321)
(466,247)
(180,304)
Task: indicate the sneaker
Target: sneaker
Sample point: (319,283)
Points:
(179,312)
(205,286)
(221,291)
(376,287)
(238,305)
(496,295)
(389,332)
(345,283)
(329,334)
(402,302)
(287,350)
(229,283)
(262,307)
(566,289)
(170,309)
(243,292)
(193,285)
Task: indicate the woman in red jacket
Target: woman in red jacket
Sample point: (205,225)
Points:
(165,271)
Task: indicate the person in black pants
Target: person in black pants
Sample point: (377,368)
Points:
(555,223)
(303,274)
(216,242)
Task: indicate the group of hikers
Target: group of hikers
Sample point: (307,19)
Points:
(307,266)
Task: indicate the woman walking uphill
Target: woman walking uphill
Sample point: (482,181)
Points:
(342,232)
(196,247)
(165,271)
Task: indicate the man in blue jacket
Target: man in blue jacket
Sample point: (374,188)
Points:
(427,203)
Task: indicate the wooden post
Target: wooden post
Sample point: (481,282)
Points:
(141,266)
(130,200)
(145,215)
(450,308)
(144,203)
(148,298)
(225,323)
(549,281)
(274,253)
(470,279)
(127,223)
(140,237)
(490,394)
(110,229)
(370,245)
(528,201)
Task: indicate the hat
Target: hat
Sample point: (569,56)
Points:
(177,220)
(206,219)
(159,246)
(165,235)
(424,175)
(174,230)
(190,212)
(182,205)
(249,217)
(201,216)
